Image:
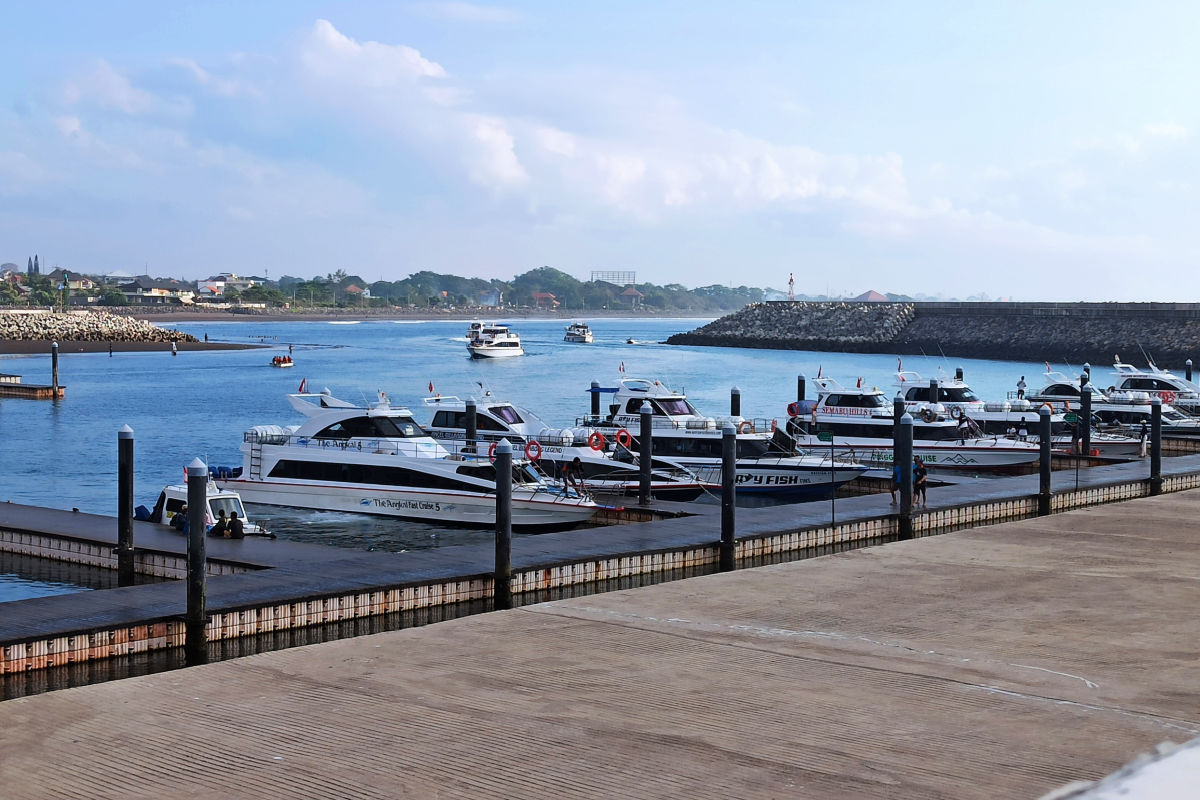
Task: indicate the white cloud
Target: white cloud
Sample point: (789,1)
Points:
(225,87)
(105,87)
(1166,130)
(330,54)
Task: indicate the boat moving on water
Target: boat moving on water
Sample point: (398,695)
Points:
(172,500)
(378,460)
(579,333)
(493,341)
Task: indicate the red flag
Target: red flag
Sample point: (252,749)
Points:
(431,387)
(621,368)
(303,385)
(859,384)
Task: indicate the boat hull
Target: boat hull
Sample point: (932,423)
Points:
(486,352)
(449,508)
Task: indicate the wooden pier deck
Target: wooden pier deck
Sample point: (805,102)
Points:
(1001,661)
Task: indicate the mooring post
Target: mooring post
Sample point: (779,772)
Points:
(125,506)
(897,413)
(735,402)
(502,581)
(799,388)
(472,427)
(1156,446)
(54,367)
(196,636)
(958,374)
(902,453)
(1085,419)
(933,391)
(728,498)
(1044,462)
(595,401)
(1187,365)
(645,453)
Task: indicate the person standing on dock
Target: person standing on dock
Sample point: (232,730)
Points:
(896,476)
(1023,431)
(1021,388)
(920,474)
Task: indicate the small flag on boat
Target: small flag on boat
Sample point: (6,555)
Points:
(303,385)
(621,368)
(1047,366)
(431,387)
(899,365)
(859,384)
(819,371)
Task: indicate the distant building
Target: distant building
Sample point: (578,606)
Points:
(144,290)
(230,280)
(546,299)
(75,281)
(633,297)
(871,297)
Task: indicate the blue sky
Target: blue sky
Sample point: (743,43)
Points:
(1037,151)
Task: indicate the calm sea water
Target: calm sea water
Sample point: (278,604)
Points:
(64,454)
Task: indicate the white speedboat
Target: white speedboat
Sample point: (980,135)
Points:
(607,469)
(172,500)
(1178,392)
(860,421)
(1126,411)
(765,465)
(579,333)
(495,341)
(378,460)
(283,362)
(955,399)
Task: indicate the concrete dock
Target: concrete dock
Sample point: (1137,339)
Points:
(1000,661)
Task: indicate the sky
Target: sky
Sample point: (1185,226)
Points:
(1018,150)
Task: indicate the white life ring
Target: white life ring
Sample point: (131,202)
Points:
(956,413)
(745,426)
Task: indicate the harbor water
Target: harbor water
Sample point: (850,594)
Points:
(63,454)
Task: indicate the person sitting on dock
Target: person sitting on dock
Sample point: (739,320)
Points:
(235,529)
(572,473)
(179,521)
(221,525)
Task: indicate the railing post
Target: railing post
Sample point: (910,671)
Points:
(1044,462)
(125,574)
(645,453)
(735,402)
(54,367)
(1155,446)
(196,634)
(728,496)
(472,427)
(1085,419)
(1188,369)
(502,580)
(800,388)
(902,455)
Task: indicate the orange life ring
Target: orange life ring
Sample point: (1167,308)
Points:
(624,438)
(927,415)
(596,440)
(1047,406)
(793,409)
(745,426)
(1167,397)
(492,452)
(533,450)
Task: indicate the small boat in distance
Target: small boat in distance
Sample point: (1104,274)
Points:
(282,362)
(578,332)
(494,341)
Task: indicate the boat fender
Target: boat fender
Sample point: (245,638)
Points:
(596,440)
(745,426)
(624,438)
(793,409)
(927,415)
(492,452)
(774,425)
(533,450)
(956,413)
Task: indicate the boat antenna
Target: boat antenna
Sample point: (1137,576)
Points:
(1145,355)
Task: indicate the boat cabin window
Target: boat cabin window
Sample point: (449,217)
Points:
(1061,390)
(956,394)
(371,428)
(507,413)
(858,400)
(457,420)
(662,407)
(1147,385)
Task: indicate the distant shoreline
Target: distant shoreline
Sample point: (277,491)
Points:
(27,347)
(348,315)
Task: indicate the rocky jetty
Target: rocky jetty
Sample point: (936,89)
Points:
(1166,333)
(83,326)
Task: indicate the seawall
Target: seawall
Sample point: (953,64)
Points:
(1168,333)
(82,326)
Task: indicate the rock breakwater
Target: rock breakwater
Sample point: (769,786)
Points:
(1167,333)
(83,326)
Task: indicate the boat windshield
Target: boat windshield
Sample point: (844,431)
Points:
(675,407)
(372,428)
(856,400)
(508,414)
(228,504)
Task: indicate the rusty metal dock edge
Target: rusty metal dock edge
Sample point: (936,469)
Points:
(232,622)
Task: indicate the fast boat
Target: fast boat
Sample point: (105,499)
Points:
(377,460)
(951,396)
(1128,411)
(495,341)
(282,362)
(1178,392)
(860,421)
(614,470)
(579,333)
(765,464)
(173,499)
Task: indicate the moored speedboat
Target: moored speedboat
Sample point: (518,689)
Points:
(1178,392)
(605,467)
(495,341)
(172,500)
(378,460)
(1125,411)
(764,464)
(579,333)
